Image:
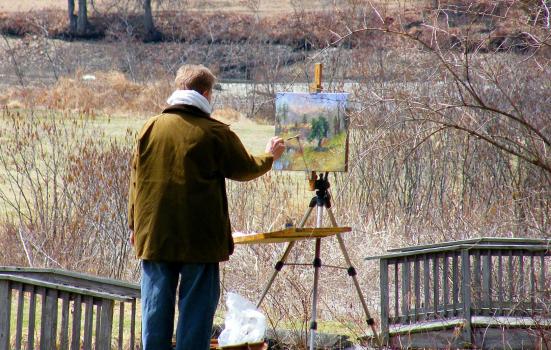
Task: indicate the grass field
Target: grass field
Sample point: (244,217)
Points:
(254,136)
(122,128)
(264,7)
(211,5)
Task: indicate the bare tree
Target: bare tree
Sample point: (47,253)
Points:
(148,18)
(476,92)
(82,19)
(72,17)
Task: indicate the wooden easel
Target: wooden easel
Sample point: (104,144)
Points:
(321,201)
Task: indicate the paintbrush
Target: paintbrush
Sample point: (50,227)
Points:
(292,137)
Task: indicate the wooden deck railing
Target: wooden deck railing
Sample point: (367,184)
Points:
(73,311)
(486,277)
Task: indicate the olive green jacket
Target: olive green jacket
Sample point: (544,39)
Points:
(178,207)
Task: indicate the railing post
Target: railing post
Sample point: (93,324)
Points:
(466,292)
(436,284)
(77,316)
(487,271)
(384,300)
(133,325)
(48,321)
(455,284)
(32,318)
(88,318)
(19,316)
(64,336)
(121,326)
(5,309)
(417,287)
(406,287)
(106,325)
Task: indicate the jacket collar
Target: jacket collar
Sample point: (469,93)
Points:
(190,110)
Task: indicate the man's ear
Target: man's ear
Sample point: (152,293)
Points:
(207,94)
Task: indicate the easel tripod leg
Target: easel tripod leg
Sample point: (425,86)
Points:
(313,320)
(352,273)
(281,262)
(317,266)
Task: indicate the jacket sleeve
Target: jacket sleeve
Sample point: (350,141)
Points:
(132,191)
(237,163)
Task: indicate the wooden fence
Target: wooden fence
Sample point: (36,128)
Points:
(74,311)
(465,285)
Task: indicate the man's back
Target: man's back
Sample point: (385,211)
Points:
(179,168)
(178,210)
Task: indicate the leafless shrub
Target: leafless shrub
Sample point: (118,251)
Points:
(62,188)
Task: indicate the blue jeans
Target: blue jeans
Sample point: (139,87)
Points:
(197,301)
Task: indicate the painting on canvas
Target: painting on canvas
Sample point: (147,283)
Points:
(315,129)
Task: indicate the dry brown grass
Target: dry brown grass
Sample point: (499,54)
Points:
(266,8)
(110,92)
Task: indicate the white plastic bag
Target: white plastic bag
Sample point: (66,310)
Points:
(243,324)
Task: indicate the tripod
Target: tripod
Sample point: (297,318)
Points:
(321,200)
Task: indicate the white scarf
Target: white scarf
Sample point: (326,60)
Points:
(191,98)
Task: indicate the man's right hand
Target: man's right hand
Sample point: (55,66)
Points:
(276,146)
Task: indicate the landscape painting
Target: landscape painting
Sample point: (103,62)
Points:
(315,129)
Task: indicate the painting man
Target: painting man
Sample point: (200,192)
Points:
(178,210)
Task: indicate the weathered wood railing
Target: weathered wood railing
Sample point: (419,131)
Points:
(74,311)
(465,284)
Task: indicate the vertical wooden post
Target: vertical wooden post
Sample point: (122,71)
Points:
(316,85)
(5,309)
(77,314)
(97,330)
(521,285)
(466,286)
(405,290)
(64,336)
(396,291)
(426,287)
(436,283)
(383,271)
(476,283)
(48,333)
(500,286)
(511,276)
(417,286)
(32,319)
(445,285)
(532,281)
(121,326)
(20,307)
(455,283)
(106,325)
(88,320)
(133,324)
(542,279)
(487,283)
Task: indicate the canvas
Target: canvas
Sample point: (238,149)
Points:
(315,129)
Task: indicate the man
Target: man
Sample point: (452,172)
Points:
(178,210)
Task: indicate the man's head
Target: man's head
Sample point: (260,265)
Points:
(195,77)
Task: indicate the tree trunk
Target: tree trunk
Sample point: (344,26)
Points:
(82,20)
(72,17)
(149,26)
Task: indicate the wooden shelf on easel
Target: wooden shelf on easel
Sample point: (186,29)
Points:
(290,234)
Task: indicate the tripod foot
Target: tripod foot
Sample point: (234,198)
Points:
(352,271)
